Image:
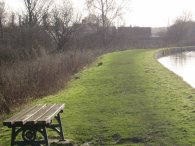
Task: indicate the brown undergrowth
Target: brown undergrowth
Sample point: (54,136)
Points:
(22,80)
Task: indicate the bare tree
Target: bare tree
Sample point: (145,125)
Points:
(2,18)
(59,24)
(107,11)
(35,9)
(182,30)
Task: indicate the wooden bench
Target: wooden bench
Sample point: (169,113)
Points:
(29,126)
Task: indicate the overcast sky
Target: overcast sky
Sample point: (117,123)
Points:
(154,13)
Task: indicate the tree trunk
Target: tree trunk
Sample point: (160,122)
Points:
(1,32)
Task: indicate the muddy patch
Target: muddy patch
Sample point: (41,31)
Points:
(131,140)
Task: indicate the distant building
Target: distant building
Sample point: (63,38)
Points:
(87,28)
(135,32)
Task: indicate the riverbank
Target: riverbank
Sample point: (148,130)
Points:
(126,98)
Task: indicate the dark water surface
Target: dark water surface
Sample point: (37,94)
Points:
(183,64)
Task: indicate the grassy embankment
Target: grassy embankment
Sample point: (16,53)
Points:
(129,100)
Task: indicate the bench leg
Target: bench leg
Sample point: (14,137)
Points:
(13,135)
(28,134)
(60,126)
(45,136)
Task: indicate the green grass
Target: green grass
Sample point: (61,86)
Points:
(130,100)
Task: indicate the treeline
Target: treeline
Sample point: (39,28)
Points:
(42,26)
(42,47)
(181,32)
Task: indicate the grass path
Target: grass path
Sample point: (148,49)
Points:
(130,100)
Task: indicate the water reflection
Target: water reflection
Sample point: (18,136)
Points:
(183,64)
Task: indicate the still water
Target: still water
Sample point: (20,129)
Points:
(183,64)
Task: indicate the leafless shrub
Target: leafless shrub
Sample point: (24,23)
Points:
(43,76)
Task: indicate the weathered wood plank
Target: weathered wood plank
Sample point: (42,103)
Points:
(38,115)
(42,114)
(23,120)
(11,120)
(47,117)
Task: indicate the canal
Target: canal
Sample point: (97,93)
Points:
(181,63)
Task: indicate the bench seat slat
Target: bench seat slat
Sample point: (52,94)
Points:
(24,119)
(38,114)
(43,111)
(47,117)
(11,120)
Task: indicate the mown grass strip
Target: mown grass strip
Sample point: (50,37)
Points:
(129,99)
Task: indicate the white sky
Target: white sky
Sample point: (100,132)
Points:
(154,13)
